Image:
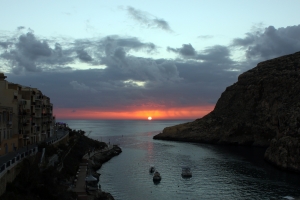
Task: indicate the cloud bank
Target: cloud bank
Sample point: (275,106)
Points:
(194,77)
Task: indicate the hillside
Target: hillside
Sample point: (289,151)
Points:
(261,109)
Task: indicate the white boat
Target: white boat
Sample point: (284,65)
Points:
(151,169)
(186,172)
(156,176)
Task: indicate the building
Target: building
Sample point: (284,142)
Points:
(9,136)
(26,116)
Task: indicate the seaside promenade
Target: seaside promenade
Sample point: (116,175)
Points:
(10,161)
(7,157)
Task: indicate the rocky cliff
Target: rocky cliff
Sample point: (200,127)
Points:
(262,109)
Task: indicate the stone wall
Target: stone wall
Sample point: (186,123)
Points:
(9,176)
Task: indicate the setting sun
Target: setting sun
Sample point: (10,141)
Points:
(134,114)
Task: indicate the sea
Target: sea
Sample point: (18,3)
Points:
(218,172)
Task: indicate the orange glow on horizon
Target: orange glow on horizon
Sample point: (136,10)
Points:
(170,113)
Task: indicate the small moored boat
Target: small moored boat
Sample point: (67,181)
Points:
(151,169)
(156,176)
(186,172)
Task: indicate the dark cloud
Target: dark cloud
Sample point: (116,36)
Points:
(112,43)
(117,59)
(58,49)
(29,53)
(5,45)
(172,49)
(196,77)
(82,87)
(148,20)
(160,23)
(269,43)
(129,80)
(120,66)
(120,53)
(83,55)
(26,53)
(134,43)
(20,28)
(186,50)
(30,47)
(165,84)
(215,54)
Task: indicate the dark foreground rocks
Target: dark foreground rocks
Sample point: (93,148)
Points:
(261,109)
(100,158)
(44,181)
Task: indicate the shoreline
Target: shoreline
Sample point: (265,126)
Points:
(93,163)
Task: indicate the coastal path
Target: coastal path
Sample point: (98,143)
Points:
(83,172)
(6,160)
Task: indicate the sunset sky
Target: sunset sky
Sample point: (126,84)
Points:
(134,59)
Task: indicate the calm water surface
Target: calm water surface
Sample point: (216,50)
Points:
(219,172)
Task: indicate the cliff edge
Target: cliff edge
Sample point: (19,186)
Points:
(261,109)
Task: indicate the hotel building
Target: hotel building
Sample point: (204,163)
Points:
(26,116)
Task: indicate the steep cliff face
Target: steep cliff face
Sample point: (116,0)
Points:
(261,109)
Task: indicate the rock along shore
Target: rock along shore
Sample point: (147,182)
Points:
(261,109)
(95,163)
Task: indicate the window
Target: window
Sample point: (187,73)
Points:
(4,134)
(10,116)
(4,116)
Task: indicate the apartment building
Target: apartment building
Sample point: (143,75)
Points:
(9,138)
(26,116)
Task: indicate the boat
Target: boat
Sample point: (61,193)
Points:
(156,176)
(186,172)
(151,169)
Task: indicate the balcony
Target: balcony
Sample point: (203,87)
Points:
(23,102)
(39,97)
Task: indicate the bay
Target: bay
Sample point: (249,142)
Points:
(219,172)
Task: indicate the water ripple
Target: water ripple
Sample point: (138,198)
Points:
(218,172)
